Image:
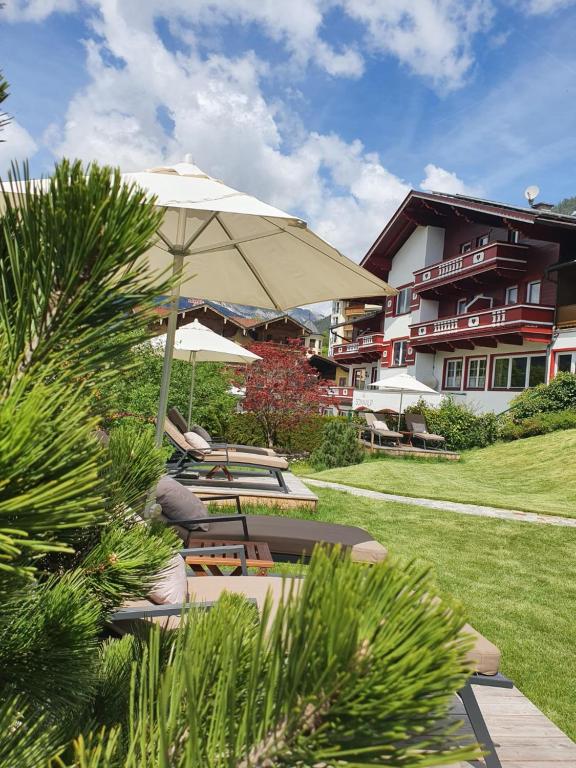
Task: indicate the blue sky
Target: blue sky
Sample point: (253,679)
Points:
(332,109)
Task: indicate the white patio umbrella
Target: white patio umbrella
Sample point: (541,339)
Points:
(404,384)
(226,245)
(197,344)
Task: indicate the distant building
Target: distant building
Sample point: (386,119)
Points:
(222,319)
(486,304)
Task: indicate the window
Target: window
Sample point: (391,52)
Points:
(533,292)
(403,301)
(465,247)
(511,295)
(359,378)
(453,373)
(519,372)
(513,235)
(342,381)
(482,240)
(461,306)
(374,374)
(566,362)
(399,356)
(476,378)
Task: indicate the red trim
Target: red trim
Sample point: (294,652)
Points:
(406,357)
(554,358)
(444,372)
(399,288)
(492,388)
(466,368)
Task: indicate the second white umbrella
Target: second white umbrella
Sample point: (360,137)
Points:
(196,343)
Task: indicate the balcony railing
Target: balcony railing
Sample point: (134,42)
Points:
(341,393)
(531,322)
(496,259)
(368,346)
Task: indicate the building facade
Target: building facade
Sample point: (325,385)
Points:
(486,302)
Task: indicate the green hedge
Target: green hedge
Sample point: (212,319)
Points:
(558,395)
(300,437)
(540,424)
(462,427)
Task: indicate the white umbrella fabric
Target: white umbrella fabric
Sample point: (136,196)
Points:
(404,384)
(197,344)
(225,245)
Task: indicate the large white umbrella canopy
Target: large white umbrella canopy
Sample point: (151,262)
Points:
(225,245)
(404,384)
(197,344)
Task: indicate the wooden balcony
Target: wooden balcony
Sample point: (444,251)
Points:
(566,316)
(365,349)
(342,395)
(482,266)
(513,324)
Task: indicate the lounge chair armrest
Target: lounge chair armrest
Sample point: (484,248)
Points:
(214,519)
(173,609)
(223,497)
(224,550)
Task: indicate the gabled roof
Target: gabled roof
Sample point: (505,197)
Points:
(428,208)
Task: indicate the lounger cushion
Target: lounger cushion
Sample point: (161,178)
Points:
(177,419)
(201,431)
(290,536)
(484,655)
(170,585)
(236,457)
(179,503)
(199,446)
(429,436)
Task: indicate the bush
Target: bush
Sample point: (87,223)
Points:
(558,395)
(459,424)
(296,437)
(540,424)
(339,446)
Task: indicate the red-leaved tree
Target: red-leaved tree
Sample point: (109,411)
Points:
(282,387)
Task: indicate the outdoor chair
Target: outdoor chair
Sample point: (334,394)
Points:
(379,428)
(416,424)
(178,589)
(194,466)
(180,423)
(289,539)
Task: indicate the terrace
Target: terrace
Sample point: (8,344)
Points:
(367,348)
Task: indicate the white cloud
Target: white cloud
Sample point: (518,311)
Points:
(16,145)
(440,180)
(37,10)
(537,7)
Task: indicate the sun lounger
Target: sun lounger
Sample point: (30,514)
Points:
(180,423)
(378,427)
(233,464)
(290,539)
(484,657)
(416,423)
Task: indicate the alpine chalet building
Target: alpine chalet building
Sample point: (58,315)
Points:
(486,303)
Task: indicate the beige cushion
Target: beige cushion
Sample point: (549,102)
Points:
(236,457)
(170,585)
(197,443)
(368,552)
(429,436)
(484,655)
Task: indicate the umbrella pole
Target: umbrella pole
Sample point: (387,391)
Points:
(400,412)
(177,267)
(192,381)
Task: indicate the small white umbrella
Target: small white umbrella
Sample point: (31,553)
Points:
(404,384)
(197,344)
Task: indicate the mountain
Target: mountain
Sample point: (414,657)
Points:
(302,315)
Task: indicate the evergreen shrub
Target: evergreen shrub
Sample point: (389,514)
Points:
(339,447)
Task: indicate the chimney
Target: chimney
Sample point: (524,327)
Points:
(543,206)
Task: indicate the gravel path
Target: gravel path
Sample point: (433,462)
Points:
(450,506)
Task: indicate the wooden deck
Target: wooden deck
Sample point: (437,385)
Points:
(524,736)
(299,495)
(410,450)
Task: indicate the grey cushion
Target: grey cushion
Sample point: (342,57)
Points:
(177,419)
(179,503)
(201,431)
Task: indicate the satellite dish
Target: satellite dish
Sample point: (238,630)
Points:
(531,193)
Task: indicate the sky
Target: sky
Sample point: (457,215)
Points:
(330,109)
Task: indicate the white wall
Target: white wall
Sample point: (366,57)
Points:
(565,340)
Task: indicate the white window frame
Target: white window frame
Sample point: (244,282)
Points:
(513,236)
(404,293)
(477,377)
(529,287)
(507,300)
(461,303)
(509,358)
(566,352)
(455,377)
(482,240)
(403,353)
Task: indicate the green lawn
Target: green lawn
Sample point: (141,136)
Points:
(517,582)
(537,474)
